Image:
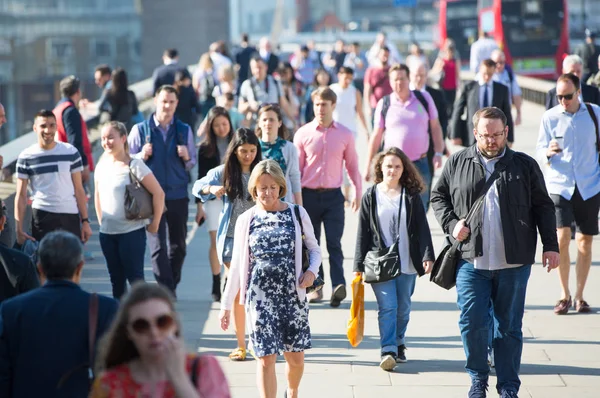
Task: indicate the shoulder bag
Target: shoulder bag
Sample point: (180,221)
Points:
(383,264)
(444,268)
(138,201)
(319,282)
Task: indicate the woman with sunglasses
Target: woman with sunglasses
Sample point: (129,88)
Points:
(211,154)
(230,182)
(266,269)
(143,354)
(272,134)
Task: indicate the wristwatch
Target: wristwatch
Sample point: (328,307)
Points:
(87,220)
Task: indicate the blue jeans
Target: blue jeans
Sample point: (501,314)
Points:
(124,255)
(423,167)
(393,301)
(327,208)
(504,290)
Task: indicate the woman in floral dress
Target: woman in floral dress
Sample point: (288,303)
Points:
(267,269)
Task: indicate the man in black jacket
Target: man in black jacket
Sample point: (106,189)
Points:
(165,74)
(478,94)
(574,64)
(497,247)
(44,333)
(17,272)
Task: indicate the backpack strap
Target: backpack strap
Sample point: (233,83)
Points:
(422,100)
(145,132)
(590,110)
(511,74)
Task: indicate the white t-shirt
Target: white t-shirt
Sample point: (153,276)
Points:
(345,108)
(392,230)
(111,179)
(49,174)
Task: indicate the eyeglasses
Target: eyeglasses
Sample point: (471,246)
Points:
(162,323)
(493,137)
(568,97)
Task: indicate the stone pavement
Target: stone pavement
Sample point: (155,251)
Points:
(561,356)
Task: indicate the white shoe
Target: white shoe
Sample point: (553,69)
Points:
(388,363)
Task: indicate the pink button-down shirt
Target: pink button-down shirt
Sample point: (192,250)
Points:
(323,152)
(407,124)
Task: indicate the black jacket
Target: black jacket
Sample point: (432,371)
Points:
(17,273)
(164,74)
(469,99)
(187,106)
(44,335)
(272,63)
(440,105)
(589,93)
(524,203)
(206,163)
(369,231)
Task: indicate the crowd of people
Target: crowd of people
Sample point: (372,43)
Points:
(275,149)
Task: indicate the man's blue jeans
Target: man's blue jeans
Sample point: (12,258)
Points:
(423,167)
(477,291)
(394,301)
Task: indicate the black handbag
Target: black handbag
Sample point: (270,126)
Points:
(319,282)
(383,264)
(443,273)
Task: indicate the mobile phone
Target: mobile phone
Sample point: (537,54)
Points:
(201,221)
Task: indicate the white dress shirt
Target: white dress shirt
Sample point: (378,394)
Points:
(480,50)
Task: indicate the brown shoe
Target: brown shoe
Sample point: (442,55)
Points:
(582,306)
(562,306)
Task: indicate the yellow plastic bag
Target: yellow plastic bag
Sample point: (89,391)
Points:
(356,324)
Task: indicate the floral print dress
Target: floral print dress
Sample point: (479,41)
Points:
(276,318)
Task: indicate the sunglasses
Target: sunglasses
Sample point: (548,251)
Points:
(162,323)
(568,97)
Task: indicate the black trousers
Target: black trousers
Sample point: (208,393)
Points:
(168,250)
(43,222)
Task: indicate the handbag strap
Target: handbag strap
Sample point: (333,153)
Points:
(376,216)
(478,202)
(299,218)
(132,176)
(92,325)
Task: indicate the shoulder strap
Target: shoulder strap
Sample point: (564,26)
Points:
(194,371)
(299,218)
(385,107)
(511,75)
(595,120)
(276,86)
(92,324)
(145,133)
(422,100)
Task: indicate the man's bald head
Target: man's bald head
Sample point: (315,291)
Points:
(500,59)
(2,115)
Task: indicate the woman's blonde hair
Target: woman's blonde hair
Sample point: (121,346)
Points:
(270,167)
(226,71)
(205,62)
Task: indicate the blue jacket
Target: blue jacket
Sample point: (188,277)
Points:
(44,335)
(167,166)
(164,74)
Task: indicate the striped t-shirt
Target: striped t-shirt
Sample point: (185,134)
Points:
(49,174)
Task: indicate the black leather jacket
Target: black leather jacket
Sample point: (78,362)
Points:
(524,203)
(369,232)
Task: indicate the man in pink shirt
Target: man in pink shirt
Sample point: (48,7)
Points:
(377,82)
(324,146)
(403,120)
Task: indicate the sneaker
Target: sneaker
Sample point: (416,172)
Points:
(508,394)
(315,297)
(388,361)
(478,389)
(339,294)
(401,358)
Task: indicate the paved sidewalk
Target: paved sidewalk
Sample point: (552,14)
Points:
(561,356)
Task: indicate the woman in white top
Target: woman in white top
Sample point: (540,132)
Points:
(348,107)
(391,211)
(266,269)
(272,133)
(123,241)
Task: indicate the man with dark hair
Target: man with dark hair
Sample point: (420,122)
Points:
(17,272)
(480,93)
(45,332)
(53,171)
(498,245)
(165,74)
(70,125)
(102,75)
(324,149)
(567,143)
(167,146)
(242,59)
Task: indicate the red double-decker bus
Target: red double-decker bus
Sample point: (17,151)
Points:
(534,34)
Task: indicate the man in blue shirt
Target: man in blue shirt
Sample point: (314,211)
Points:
(568,144)
(167,146)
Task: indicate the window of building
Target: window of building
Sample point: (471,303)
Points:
(59,48)
(102,48)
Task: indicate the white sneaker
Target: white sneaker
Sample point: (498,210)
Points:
(388,362)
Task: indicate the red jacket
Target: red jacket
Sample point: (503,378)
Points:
(62,134)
